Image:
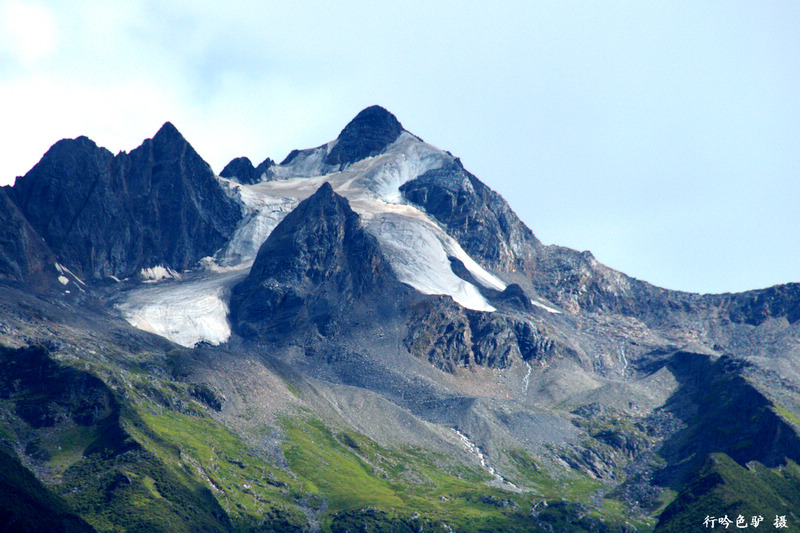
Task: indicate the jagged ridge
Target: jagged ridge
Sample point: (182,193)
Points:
(112,216)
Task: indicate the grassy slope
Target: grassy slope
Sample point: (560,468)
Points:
(722,487)
(157,460)
(365,483)
(27,505)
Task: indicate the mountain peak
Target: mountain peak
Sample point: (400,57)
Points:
(368,134)
(326,190)
(168,133)
(316,265)
(375,116)
(242,170)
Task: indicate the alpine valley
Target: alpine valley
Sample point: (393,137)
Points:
(364,337)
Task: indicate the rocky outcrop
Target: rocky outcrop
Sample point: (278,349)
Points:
(755,307)
(476,216)
(368,134)
(439,332)
(449,337)
(241,169)
(317,268)
(112,216)
(24,256)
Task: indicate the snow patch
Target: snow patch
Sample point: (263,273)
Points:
(526,380)
(417,253)
(66,274)
(485,278)
(158,273)
(262,213)
(306,163)
(546,307)
(622,358)
(187,312)
(473,449)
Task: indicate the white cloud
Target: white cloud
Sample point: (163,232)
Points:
(27,31)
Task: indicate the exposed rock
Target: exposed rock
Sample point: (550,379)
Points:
(439,331)
(368,134)
(24,256)
(112,216)
(316,267)
(449,336)
(755,307)
(242,170)
(514,296)
(476,216)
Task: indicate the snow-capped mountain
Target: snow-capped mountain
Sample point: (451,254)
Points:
(364,333)
(419,251)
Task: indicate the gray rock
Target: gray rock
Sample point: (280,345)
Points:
(105,215)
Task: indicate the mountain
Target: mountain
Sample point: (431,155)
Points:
(242,170)
(364,337)
(112,216)
(315,269)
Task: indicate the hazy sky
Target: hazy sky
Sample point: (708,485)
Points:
(662,136)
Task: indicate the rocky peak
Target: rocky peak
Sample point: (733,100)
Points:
(65,164)
(168,133)
(111,216)
(242,170)
(321,239)
(476,216)
(316,267)
(169,144)
(369,133)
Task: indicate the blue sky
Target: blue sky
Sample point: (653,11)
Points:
(662,136)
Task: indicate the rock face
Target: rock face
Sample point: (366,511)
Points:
(112,216)
(479,219)
(24,256)
(369,133)
(449,337)
(242,170)
(317,267)
(755,307)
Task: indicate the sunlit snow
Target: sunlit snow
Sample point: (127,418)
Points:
(547,308)
(186,312)
(158,273)
(66,274)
